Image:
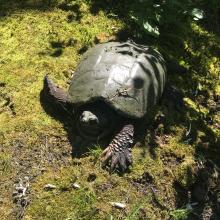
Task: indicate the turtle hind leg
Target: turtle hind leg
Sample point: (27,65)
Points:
(118,154)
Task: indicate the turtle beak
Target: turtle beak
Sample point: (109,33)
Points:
(93,121)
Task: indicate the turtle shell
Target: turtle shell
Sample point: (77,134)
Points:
(127,76)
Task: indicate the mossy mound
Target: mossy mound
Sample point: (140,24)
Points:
(180,145)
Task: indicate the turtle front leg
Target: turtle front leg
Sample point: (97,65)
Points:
(118,153)
(57,93)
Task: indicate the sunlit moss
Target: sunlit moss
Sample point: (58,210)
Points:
(195,106)
(36,41)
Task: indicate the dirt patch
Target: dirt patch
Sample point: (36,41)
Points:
(145,183)
(31,162)
(171,160)
(205,192)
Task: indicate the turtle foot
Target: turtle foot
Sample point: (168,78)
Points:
(117,156)
(117,160)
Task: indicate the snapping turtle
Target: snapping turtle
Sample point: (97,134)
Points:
(115,84)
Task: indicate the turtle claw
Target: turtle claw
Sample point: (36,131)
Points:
(117,160)
(106,155)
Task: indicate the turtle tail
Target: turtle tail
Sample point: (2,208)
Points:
(118,152)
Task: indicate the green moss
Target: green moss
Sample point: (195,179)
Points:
(66,205)
(5,163)
(180,214)
(37,39)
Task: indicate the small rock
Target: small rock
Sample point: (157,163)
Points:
(26,178)
(76,186)
(49,186)
(20,189)
(15,193)
(118,205)
(24,202)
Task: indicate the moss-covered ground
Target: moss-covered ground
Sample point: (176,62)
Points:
(175,173)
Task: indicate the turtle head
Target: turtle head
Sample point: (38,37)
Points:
(95,121)
(90,119)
